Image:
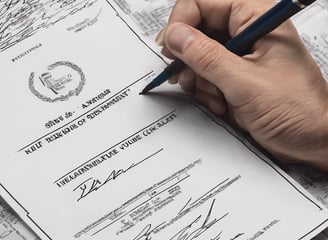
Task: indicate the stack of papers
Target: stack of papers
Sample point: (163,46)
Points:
(86,157)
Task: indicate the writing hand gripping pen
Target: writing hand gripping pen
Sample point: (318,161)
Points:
(244,41)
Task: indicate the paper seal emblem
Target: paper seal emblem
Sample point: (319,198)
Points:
(58,82)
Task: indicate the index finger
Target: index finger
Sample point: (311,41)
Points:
(233,15)
(193,12)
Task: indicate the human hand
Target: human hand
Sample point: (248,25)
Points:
(277,92)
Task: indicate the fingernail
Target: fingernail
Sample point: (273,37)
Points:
(180,37)
(160,38)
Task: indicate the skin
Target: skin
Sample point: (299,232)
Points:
(276,93)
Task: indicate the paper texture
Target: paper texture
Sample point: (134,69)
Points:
(86,157)
(311,27)
(11,227)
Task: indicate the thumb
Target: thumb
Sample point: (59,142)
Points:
(205,56)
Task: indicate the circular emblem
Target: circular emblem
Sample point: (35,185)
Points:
(58,82)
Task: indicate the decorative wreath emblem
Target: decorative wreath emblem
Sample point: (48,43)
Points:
(62,81)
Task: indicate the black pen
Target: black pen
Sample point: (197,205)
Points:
(243,42)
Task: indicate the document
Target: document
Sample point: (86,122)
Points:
(146,18)
(314,181)
(314,35)
(309,24)
(149,16)
(84,156)
(11,227)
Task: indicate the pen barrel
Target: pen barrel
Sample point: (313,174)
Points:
(176,66)
(243,42)
(306,2)
(172,69)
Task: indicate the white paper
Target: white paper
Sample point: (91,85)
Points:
(85,156)
(311,25)
(11,227)
(314,181)
(146,18)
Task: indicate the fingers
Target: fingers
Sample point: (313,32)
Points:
(224,14)
(206,57)
(243,13)
(209,96)
(228,15)
(215,14)
(215,103)
(190,82)
(186,11)
(187,80)
(203,91)
(194,12)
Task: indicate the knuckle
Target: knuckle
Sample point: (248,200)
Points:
(208,58)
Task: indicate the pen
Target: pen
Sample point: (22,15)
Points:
(243,42)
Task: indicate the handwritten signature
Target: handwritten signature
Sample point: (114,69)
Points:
(189,232)
(91,185)
(22,19)
(146,233)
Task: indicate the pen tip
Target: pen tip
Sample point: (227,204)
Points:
(143,92)
(147,89)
